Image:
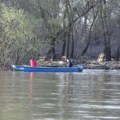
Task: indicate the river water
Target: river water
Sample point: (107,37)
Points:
(90,95)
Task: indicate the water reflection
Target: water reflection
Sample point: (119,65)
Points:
(91,95)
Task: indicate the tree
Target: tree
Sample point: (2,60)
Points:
(106,32)
(17,38)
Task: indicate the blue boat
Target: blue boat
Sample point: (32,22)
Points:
(25,68)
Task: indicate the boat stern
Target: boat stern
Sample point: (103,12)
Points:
(80,68)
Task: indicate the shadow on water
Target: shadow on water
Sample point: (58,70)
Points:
(90,95)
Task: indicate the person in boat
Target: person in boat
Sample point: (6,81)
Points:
(33,62)
(69,63)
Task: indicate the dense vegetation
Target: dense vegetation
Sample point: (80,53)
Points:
(28,27)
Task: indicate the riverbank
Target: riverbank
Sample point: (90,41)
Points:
(102,65)
(87,64)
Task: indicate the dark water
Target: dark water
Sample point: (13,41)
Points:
(90,95)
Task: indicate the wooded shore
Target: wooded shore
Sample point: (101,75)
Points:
(71,28)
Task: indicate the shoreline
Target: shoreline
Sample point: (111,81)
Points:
(87,64)
(106,65)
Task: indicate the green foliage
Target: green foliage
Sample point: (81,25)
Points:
(54,25)
(17,33)
(17,25)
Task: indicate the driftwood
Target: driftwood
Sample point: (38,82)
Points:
(87,64)
(101,57)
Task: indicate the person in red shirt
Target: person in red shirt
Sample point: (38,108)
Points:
(33,62)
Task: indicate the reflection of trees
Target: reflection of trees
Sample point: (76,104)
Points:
(84,87)
(43,95)
(83,93)
(12,98)
(58,95)
(111,87)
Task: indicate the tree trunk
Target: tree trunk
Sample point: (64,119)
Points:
(63,47)
(89,35)
(51,52)
(106,32)
(72,45)
(117,55)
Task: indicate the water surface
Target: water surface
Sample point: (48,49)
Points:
(90,95)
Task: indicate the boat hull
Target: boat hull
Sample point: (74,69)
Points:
(47,69)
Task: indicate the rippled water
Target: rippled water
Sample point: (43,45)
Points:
(90,95)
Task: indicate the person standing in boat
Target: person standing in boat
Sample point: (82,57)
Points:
(33,62)
(69,63)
